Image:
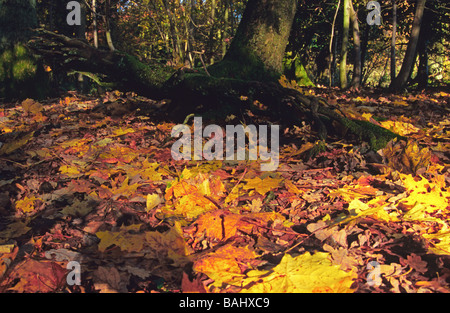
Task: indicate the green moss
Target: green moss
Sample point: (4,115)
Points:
(23,69)
(20,51)
(294,70)
(6,56)
(245,69)
(21,75)
(378,137)
(153,74)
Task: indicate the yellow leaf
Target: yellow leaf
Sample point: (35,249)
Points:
(367,116)
(399,127)
(153,201)
(305,273)
(6,249)
(292,188)
(26,205)
(122,131)
(262,186)
(123,239)
(400,103)
(69,170)
(192,205)
(374,208)
(425,198)
(225,265)
(440,242)
(149,171)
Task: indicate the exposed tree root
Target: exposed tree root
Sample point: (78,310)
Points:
(197,92)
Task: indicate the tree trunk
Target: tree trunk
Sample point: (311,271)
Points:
(107,20)
(356,79)
(94,22)
(411,51)
(177,54)
(394,34)
(331,61)
(344,47)
(257,50)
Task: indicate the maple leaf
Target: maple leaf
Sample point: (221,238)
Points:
(304,273)
(70,170)
(37,276)
(153,201)
(400,127)
(108,280)
(262,186)
(192,205)
(27,204)
(226,264)
(221,225)
(120,188)
(122,131)
(123,239)
(31,106)
(406,157)
(425,199)
(170,245)
(416,262)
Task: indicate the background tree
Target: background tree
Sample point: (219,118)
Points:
(407,66)
(250,55)
(356,78)
(344,45)
(394,34)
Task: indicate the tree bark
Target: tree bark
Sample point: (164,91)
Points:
(356,79)
(257,50)
(344,47)
(394,34)
(107,20)
(94,22)
(332,59)
(411,51)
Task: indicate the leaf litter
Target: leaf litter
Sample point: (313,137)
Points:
(77,185)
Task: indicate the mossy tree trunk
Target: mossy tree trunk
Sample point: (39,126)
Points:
(257,50)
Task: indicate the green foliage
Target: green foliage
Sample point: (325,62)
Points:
(178,32)
(21,74)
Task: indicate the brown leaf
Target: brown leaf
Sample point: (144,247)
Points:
(37,276)
(108,280)
(416,262)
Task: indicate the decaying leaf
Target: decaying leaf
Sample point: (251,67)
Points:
(37,276)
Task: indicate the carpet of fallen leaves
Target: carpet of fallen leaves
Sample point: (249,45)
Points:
(77,184)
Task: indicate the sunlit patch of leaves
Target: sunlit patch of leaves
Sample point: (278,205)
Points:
(105,191)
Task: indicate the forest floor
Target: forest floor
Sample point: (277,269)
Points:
(104,193)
